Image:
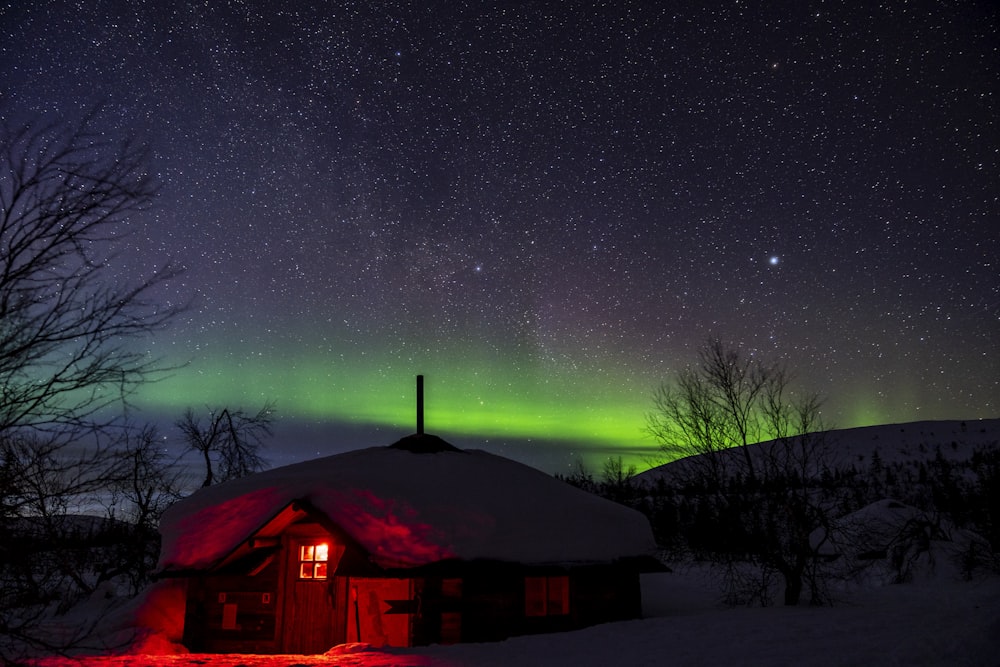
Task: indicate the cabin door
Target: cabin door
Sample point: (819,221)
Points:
(315,600)
(380,611)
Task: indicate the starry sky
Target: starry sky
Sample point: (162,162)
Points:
(546,208)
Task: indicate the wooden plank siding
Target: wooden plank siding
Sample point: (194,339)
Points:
(232,613)
(314,611)
(260,602)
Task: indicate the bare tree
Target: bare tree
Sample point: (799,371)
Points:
(47,550)
(717,405)
(229,442)
(56,549)
(618,481)
(763,499)
(148,481)
(66,321)
(69,327)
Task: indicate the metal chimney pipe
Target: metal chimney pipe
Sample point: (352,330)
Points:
(420,405)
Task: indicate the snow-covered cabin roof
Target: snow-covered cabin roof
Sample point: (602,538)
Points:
(413,503)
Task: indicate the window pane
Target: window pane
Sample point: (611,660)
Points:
(451,627)
(558,597)
(451,588)
(314,561)
(229,617)
(534,596)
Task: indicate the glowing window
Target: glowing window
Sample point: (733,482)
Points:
(546,596)
(313,559)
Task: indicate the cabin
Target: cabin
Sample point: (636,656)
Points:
(412,544)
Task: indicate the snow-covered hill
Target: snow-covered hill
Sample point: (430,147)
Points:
(906,443)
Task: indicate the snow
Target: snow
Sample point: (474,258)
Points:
(409,509)
(935,622)
(935,618)
(889,541)
(915,441)
(894,443)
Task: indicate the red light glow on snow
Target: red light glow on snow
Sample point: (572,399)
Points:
(391,529)
(211,532)
(345,655)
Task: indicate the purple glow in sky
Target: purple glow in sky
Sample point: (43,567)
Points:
(547,208)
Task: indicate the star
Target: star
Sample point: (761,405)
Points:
(549,209)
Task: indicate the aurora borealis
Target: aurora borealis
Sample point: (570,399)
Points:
(545,208)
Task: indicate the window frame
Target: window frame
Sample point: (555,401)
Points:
(314,558)
(546,595)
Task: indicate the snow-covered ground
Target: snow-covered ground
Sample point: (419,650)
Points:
(936,619)
(932,622)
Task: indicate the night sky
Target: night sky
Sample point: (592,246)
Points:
(546,208)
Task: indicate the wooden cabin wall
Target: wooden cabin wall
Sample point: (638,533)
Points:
(492,605)
(314,617)
(489,604)
(314,613)
(253,609)
(605,594)
(261,603)
(227,613)
(485,604)
(381,611)
(441,604)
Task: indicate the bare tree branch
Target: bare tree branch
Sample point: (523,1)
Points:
(764,499)
(70,327)
(67,324)
(229,442)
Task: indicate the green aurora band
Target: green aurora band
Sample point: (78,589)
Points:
(464,397)
(593,407)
